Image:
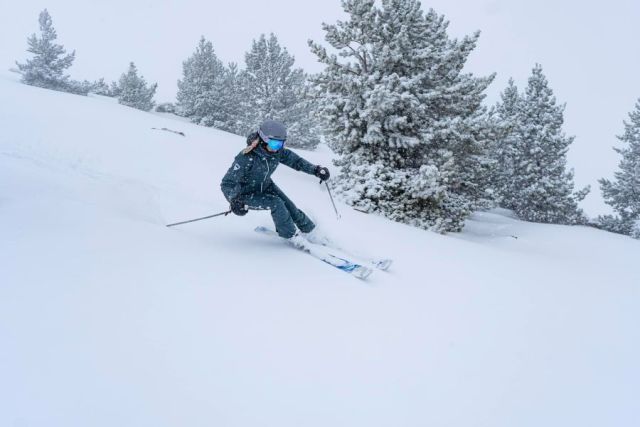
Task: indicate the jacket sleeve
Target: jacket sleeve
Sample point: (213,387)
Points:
(296,162)
(236,176)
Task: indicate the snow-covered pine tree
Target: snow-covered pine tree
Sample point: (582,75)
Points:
(623,194)
(78,87)
(541,189)
(100,87)
(302,118)
(133,90)
(503,150)
(47,67)
(200,92)
(273,89)
(408,124)
(114,90)
(230,101)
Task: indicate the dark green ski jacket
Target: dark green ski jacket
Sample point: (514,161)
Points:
(251,173)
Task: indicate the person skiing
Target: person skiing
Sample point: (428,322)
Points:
(248,185)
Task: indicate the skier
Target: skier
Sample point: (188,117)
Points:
(248,185)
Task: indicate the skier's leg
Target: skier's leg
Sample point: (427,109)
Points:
(299,218)
(279,213)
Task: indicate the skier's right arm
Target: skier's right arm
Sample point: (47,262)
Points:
(235,177)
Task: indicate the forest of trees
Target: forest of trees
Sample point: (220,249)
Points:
(225,97)
(413,138)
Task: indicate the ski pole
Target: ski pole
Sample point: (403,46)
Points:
(199,219)
(331,197)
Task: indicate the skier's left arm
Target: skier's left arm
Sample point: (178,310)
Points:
(296,162)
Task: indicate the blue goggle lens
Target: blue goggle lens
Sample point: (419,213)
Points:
(275,144)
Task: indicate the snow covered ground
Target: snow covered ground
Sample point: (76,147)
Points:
(108,318)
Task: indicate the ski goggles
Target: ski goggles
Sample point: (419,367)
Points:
(275,144)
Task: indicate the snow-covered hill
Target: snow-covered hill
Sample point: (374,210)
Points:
(108,318)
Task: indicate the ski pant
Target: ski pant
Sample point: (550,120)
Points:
(286,216)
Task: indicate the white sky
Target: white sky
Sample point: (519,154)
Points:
(588,49)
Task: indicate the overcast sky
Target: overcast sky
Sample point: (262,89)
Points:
(588,50)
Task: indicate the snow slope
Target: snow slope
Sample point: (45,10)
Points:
(108,318)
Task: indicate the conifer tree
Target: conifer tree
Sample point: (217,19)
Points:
(114,90)
(503,150)
(273,89)
(50,61)
(199,90)
(230,102)
(133,90)
(536,184)
(623,194)
(408,124)
(209,92)
(100,87)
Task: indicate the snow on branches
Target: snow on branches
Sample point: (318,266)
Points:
(408,123)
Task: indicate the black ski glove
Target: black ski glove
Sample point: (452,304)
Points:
(238,207)
(322,173)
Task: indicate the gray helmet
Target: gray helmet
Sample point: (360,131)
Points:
(270,129)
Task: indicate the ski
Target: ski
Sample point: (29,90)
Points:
(322,253)
(381,264)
